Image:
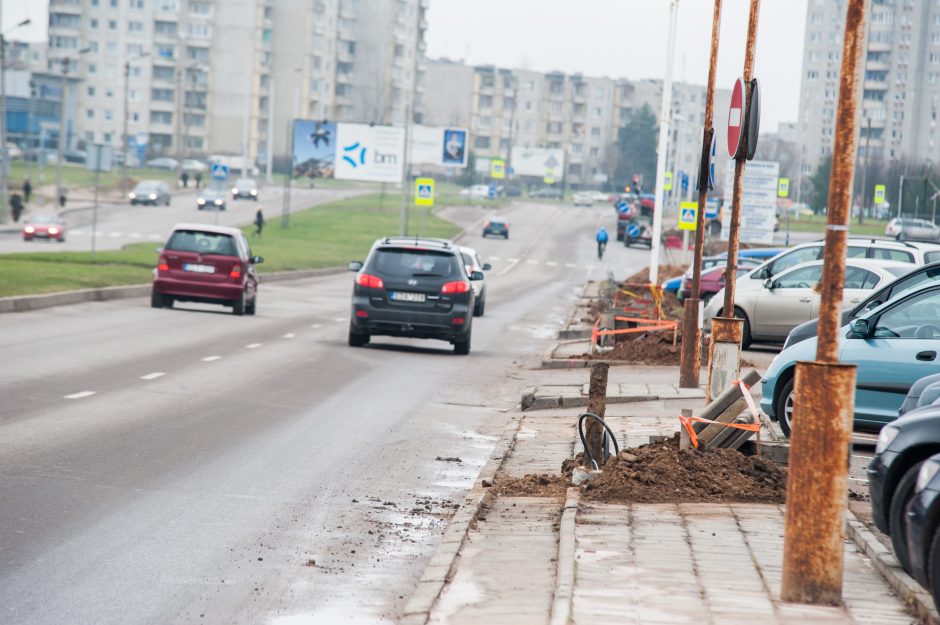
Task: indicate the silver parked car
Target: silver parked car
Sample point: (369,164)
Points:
(910,229)
(475,269)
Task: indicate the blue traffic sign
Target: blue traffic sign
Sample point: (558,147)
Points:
(491,191)
(219,171)
(633,230)
(622,207)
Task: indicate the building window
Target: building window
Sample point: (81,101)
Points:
(162,95)
(161,117)
(482,142)
(486,101)
(112,24)
(90,113)
(594,152)
(136,4)
(90,136)
(108,114)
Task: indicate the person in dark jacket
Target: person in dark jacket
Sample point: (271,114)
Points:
(259,222)
(27,190)
(16,206)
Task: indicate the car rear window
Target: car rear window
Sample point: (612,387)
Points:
(403,263)
(202,243)
(891,254)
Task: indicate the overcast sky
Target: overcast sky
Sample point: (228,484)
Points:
(616,38)
(627,38)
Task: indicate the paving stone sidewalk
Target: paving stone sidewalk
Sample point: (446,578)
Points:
(634,564)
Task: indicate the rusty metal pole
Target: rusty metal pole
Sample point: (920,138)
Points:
(597,403)
(825,389)
(690,356)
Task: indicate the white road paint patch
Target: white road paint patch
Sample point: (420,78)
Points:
(494,258)
(253,345)
(211,358)
(153,376)
(513,260)
(340,319)
(154,237)
(81,395)
(289,335)
(116,235)
(135,235)
(570,265)
(77,232)
(551,263)
(858,479)
(316,325)
(532,262)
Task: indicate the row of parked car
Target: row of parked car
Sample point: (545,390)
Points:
(156,192)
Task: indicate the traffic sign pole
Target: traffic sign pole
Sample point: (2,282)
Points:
(690,354)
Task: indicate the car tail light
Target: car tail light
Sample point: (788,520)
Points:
(486,224)
(235,273)
(459,286)
(362,313)
(369,281)
(458,321)
(162,265)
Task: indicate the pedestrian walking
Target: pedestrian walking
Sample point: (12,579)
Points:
(16,206)
(62,198)
(259,222)
(198,179)
(27,190)
(185,179)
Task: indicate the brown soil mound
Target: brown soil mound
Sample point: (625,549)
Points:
(660,473)
(532,486)
(648,348)
(665,272)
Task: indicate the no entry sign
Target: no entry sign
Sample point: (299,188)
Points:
(736,119)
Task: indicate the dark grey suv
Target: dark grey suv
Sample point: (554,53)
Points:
(412,287)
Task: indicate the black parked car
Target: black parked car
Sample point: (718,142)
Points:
(923,527)
(916,277)
(902,447)
(411,287)
(497,227)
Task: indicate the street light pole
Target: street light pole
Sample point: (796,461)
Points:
(125,135)
(63,134)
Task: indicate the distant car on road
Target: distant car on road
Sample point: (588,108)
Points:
(13,150)
(475,268)
(496,226)
(583,198)
(163,162)
(211,199)
(412,287)
(245,188)
(150,192)
(49,227)
(477,190)
(208,264)
(547,193)
(193,166)
(909,229)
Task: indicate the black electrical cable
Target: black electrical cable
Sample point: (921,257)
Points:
(607,430)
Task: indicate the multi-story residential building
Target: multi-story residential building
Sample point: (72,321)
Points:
(900,81)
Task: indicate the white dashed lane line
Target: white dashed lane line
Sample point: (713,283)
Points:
(571,265)
(253,345)
(153,376)
(289,335)
(211,358)
(551,263)
(340,319)
(316,325)
(80,395)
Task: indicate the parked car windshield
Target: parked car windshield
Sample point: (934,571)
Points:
(202,243)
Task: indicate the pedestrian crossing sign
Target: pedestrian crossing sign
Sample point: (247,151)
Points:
(424,192)
(667,181)
(497,169)
(879,194)
(783,187)
(688,215)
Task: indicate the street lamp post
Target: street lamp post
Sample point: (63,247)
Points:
(5,169)
(125,137)
(63,135)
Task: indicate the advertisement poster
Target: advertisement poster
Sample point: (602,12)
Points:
(758,202)
(369,153)
(314,149)
(541,162)
(433,145)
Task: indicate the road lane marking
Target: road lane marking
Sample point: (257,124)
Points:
(80,395)
(571,265)
(77,232)
(532,262)
(154,237)
(340,319)
(153,376)
(289,335)
(316,325)
(494,258)
(551,263)
(116,235)
(513,260)
(211,358)
(134,235)
(253,345)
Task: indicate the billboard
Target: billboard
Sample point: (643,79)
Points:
(369,153)
(758,202)
(541,162)
(433,145)
(314,149)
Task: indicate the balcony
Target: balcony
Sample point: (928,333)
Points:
(876,85)
(879,46)
(877,66)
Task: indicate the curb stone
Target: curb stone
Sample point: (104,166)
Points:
(437,572)
(564,584)
(916,598)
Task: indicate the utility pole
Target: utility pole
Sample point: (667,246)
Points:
(824,394)
(63,133)
(690,356)
(403,203)
(664,118)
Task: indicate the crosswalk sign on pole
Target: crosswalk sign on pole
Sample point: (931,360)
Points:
(879,194)
(497,169)
(688,216)
(219,171)
(783,187)
(667,181)
(424,192)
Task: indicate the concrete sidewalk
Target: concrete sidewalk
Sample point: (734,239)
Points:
(541,559)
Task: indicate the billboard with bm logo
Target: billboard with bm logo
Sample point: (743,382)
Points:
(369,153)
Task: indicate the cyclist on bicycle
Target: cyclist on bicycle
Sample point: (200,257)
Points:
(601,238)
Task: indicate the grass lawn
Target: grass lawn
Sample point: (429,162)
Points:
(77,176)
(817,223)
(323,236)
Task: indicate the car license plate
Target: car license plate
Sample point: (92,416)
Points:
(400,296)
(198,268)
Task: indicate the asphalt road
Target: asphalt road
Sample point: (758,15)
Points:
(190,466)
(119,223)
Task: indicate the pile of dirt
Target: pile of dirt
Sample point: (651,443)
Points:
(665,272)
(660,473)
(532,486)
(646,348)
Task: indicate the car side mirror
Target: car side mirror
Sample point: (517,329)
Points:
(769,284)
(257,260)
(860,328)
(872,305)
(476,275)
(354,265)
(487,266)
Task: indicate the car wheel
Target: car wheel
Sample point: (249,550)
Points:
(61,239)
(356,339)
(238,307)
(897,527)
(784,408)
(933,567)
(506,236)
(26,239)
(462,345)
(746,330)
(157,299)
(479,307)
(251,306)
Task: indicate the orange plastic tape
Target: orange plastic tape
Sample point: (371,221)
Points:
(687,424)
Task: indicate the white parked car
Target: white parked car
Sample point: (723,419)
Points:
(477,190)
(476,269)
(583,198)
(907,228)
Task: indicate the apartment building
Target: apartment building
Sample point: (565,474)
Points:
(900,80)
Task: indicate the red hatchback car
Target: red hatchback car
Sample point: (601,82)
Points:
(713,280)
(208,264)
(49,227)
